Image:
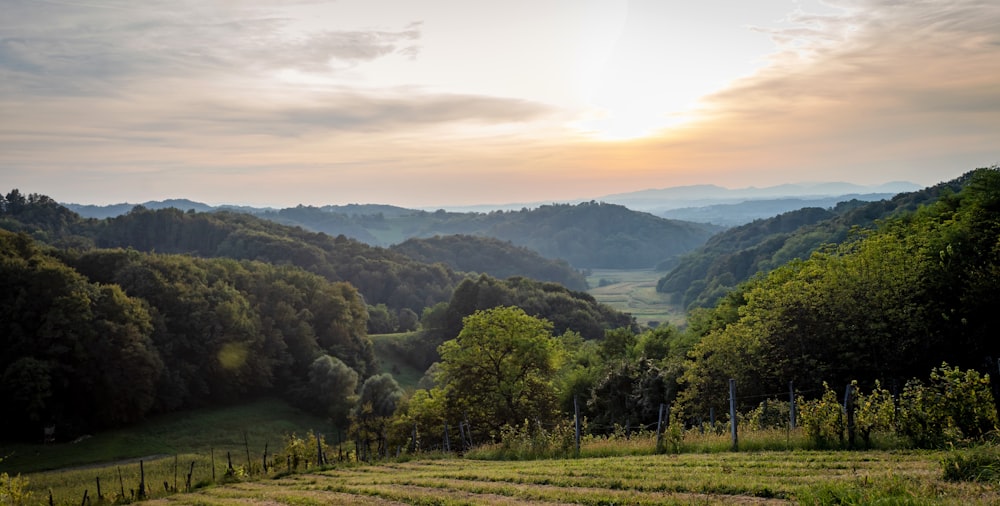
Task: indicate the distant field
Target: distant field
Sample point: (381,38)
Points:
(388,352)
(804,477)
(634,291)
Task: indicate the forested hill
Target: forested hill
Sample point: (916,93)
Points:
(412,275)
(500,259)
(587,235)
(916,290)
(100,338)
(737,254)
(382,276)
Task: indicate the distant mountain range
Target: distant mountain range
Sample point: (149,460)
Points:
(698,203)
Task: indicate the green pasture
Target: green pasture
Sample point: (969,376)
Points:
(390,351)
(634,291)
(199,431)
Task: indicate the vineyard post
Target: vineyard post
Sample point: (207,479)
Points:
(121,483)
(246,445)
(100,497)
(319,450)
(791,404)
(468,428)
(263,460)
(659,429)
(732,413)
(849,409)
(142,481)
(576,421)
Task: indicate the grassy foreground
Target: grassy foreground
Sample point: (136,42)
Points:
(772,468)
(806,477)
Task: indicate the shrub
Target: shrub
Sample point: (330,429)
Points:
(823,419)
(875,412)
(300,451)
(769,414)
(955,407)
(14,490)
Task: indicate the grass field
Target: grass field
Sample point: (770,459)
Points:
(772,468)
(804,477)
(634,291)
(195,431)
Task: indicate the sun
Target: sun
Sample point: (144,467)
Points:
(626,122)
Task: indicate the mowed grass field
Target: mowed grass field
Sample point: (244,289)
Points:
(634,291)
(804,477)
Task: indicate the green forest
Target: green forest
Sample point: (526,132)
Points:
(172,310)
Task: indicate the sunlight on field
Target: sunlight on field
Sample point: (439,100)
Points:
(634,291)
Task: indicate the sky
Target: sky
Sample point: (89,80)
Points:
(426,103)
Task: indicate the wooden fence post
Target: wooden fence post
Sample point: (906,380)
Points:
(732,413)
(576,420)
(849,409)
(246,444)
(791,404)
(659,429)
(319,450)
(142,481)
(121,483)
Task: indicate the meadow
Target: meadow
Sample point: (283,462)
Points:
(773,467)
(634,291)
(805,477)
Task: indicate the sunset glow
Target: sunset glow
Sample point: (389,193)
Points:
(451,103)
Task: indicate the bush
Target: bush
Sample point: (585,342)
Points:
(14,490)
(875,412)
(769,414)
(954,408)
(303,451)
(823,419)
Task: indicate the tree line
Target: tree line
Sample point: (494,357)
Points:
(702,277)
(99,338)
(86,323)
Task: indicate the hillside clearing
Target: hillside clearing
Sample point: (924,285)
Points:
(634,291)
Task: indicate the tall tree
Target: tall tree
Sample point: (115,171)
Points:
(500,369)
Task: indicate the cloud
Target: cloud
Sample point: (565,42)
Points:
(880,82)
(91,47)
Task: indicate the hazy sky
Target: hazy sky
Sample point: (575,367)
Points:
(433,102)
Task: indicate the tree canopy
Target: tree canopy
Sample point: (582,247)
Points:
(888,305)
(500,369)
